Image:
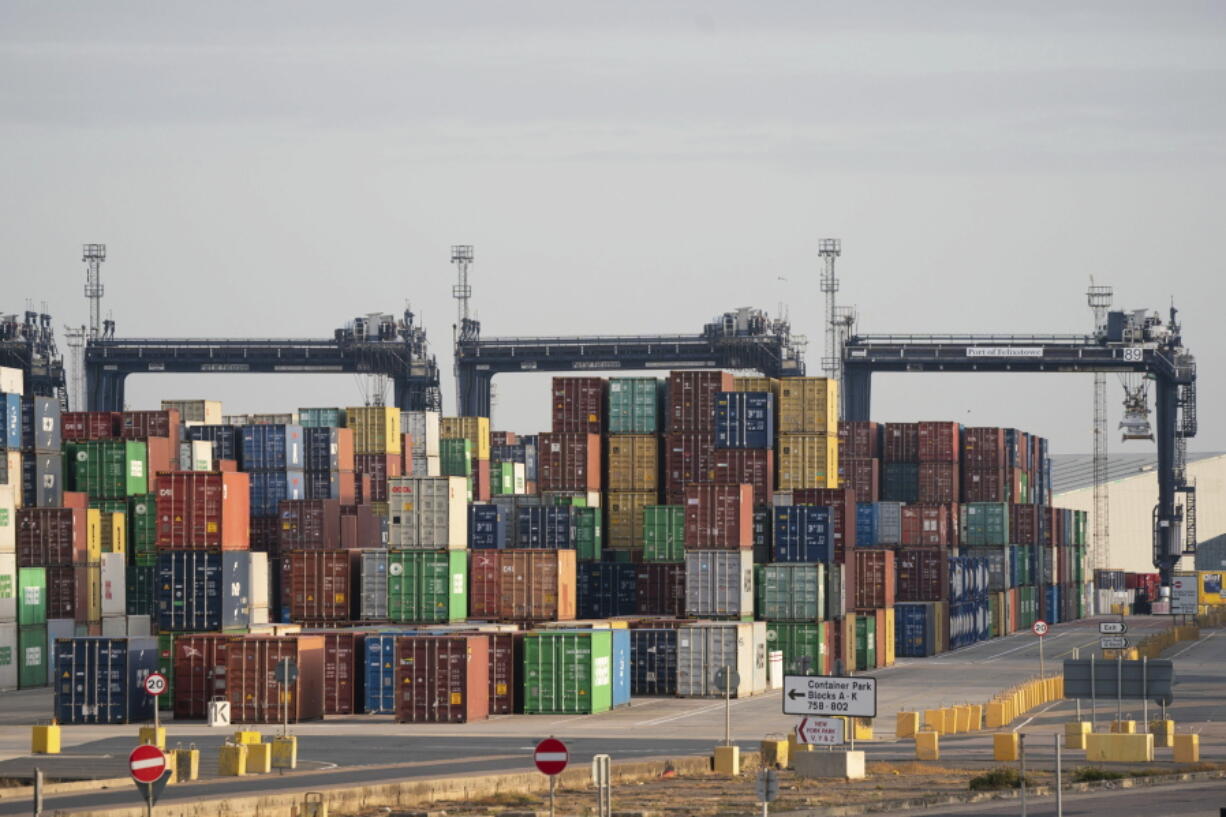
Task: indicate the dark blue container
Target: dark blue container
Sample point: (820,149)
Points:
(272,448)
(803,533)
(321,485)
(189,591)
(744,419)
(269,488)
(42,479)
(101,680)
(226,440)
(40,424)
(653,662)
(545,527)
(321,452)
(380,666)
(12,420)
(607,589)
(1051,603)
(487,526)
(506,453)
(763,536)
(916,629)
(900,482)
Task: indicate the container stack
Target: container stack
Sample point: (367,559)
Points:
(473,457)
(508,464)
(633,447)
(427,565)
(377,444)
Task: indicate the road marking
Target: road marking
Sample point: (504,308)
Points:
(711,708)
(1022,647)
(1035,715)
(1194,644)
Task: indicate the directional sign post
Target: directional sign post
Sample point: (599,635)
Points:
(1112,628)
(829,695)
(1040,629)
(286,674)
(155,685)
(767,789)
(551,757)
(822,731)
(147,765)
(1113,642)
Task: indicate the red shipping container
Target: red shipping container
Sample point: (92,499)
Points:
(227,466)
(938,482)
(318,585)
(164,457)
(75,499)
(344,656)
(863,476)
(360,528)
(922,574)
(843,501)
(51,536)
(442,679)
(938,442)
(141,425)
(985,485)
(1023,451)
(691,399)
(481,480)
(203,510)
(859,439)
(578,405)
(379,467)
(933,525)
(568,462)
(362,489)
(309,524)
(345,457)
(660,589)
(68,590)
(688,457)
(265,534)
(504,649)
(1023,524)
(199,672)
(718,517)
(753,467)
(900,442)
(252,688)
(89,425)
(983,447)
(522,585)
(874,579)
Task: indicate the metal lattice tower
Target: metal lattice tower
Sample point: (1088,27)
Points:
(1098,298)
(75,336)
(93,255)
(828,249)
(461,256)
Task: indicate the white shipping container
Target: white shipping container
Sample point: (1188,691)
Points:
(199,455)
(8,520)
(11,381)
(8,586)
(207,412)
(423,426)
(12,464)
(140,625)
(428,513)
(719,583)
(114,584)
(519,483)
(706,648)
(115,626)
(8,655)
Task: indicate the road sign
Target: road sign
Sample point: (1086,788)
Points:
(1112,627)
(155,683)
(853,696)
(1113,642)
(822,731)
(768,785)
(1183,595)
(287,671)
(1040,628)
(146,763)
(726,679)
(551,756)
(1088,678)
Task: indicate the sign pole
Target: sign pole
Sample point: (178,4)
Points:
(1021,748)
(1076,655)
(1145,689)
(1093,697)
(727,706)
(553,782)
(1119,687)
(1059,781)
(1042,672)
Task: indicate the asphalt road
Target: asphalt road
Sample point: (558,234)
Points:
(1184,800)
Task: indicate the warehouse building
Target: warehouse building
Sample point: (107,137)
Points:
(1133,492)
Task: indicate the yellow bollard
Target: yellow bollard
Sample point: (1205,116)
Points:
(232,762)
(259,758)
(794,745)
(976,717)
(156,736)
(1163,732)
(45,739)
(996,714)
(1075,734)
(285,752)
(927,745)
(314,805)
(247,737)
(774,753)
(906,724)
(187,764)
(962,718)
(1005,746)
(934,720)
(862,728)
(1119,748)
(728,760)
(1123,727)
(1187,748)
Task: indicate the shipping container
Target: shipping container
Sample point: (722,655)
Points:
(931,525)
(627,518)
(113,585)
(919,629)
(11,404)
(862,476)
(664,533)
(52,536)
(545,527)
(878,524)
(427,586)
(442,679)
(423,427)
(688,457)
(428,513)
(900,442)
(633,462)
(805,645)
(756,468)
(607,589)
(31,596)
(8,516)
(859,439)
(74,425)
(32,665)
(487,526)
(939,442)
(101,680)
(474,429)
(318,586)
(660,589)
(866,642)
(522,585)
(108,469)
(984,448)
(992,484)
(270,488)
(309,524)
(40,424)
(455,457)
(9,656)
(803,533)
(74,592)
(808,461)
(791,592)
(986,523)
(718,517)
(227,440)
(141,425)
(691,399)
(922,574)
(719,583)
(653,662)
(380,468)
(42,479)
(744,419)
(321,417)
(344,654)
(252,688)
(634,405)
(569,462)
(808,405)
(379,672)
(874,579)
(707,650)
(900,482)
(8,587)
(568,672)
(587,536)
(376,429)
(203,510)
(577,404)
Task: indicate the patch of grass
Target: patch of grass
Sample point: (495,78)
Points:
(1090,774)
(506,798)
(1001,778)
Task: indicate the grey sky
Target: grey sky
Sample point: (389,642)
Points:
(276,168)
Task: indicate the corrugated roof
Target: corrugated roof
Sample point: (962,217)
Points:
(1072,472)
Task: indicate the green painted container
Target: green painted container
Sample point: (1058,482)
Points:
(563,499)
(664,533)
(143,530)
(587,533)
(32,656)
(568,672)
(1027,607)
(425,586)
(32,597)
(790,592)
(634,405)
(621,555)
(502,478)
(803,647)
(108,469)
(985,523)
(140,590)
(456,457)
(166,666)
(109,505)
(321,417)
(866,643)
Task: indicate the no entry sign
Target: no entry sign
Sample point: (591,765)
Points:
(551,756)
(146,763)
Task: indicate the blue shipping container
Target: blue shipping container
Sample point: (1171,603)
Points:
(380,666)
(803,533)
(607,589)
(487,526)
(621,665)
(101,680)
(653,662)
(321,451)
(189,591)
(272,448)
(321,485)
(916,629)
(545,527)
(226,440)
(744,419)
(12,421)
(269,488)
(878,523)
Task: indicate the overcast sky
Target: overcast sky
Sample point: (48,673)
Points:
(275,168)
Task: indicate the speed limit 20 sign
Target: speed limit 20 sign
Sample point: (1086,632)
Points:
(1040,628)
(155,684)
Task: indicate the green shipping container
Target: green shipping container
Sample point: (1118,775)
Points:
(587,533)
(619,555)
(456,457)
(985,523)
(139,589)
(166,666)
(866,643)
(32,597)
(802,645)
(425,586)
(108,469)
(32,656)
(568,672)
(1027,608)
(502,478)
(634,405)
(664,533)
(321,417)
(790,592)
(143,530)
(109,505)
(563,499)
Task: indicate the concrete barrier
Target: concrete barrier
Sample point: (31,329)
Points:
(1105,747)
(906,724)
(927,745)
(1163,732)
(728,760)
(1005,746)
(1075,734)
(1187,748)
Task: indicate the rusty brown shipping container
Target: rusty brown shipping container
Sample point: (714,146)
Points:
(344,660)
(939,442)
(753,467)
(1023,524)
(843,501)
(568,462)
(199,673)
(874,579)
(141,425)
(862,476)
(522,585)
(442,679)
(939,482)
(252,688)
(51,536)
(578,405)
(691,399)
(718,517)
(859,439)
(360,528)
(506,651)
(900,442)
(922,574)
(983,447)
(660,589)
(264,535)
(73,592)
(688,457)
(379,467)
(934,525)
(89,425)
(203,510)
(162,457)
(318,585)
(309,524)
(986,485)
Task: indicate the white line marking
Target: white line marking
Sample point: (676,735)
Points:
(698,711)
(1194,644)
(1035,715)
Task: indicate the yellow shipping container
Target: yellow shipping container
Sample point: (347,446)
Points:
(808,461)
(114,532)
(808,405)
(634,462)
(886,640)
(767,384)
(474,429)
(93,605)
(93,536)
(625,511)
(1209,587)
(376,429)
